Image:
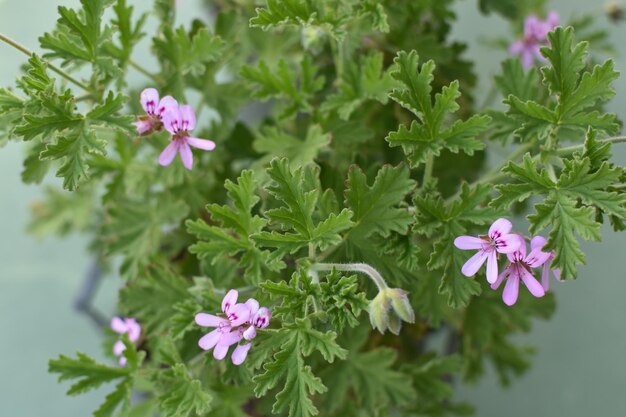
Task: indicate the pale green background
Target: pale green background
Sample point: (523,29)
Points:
(579,369)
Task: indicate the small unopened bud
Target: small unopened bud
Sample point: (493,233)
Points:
(379,312)
(615,11)
(401,305)
(389,308)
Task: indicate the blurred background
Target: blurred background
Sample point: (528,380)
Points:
(579,369)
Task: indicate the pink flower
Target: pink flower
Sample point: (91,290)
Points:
(538,242)
(519,268)
(535,36)
(124,326)
(498,240)
(241,322)
(222,337)
(179,121)
(152,121)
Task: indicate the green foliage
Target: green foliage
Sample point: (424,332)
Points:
(428,138)
(91,375)
(337,298)
(570,204)
(182,395)
(298,193)
(443,222)
(237,225)
(577,92)
(324,128)
(298,341)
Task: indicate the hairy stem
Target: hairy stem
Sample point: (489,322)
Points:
(354,267)
(54,68)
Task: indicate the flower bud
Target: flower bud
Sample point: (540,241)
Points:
(401,305)
(379,311)
(389,308)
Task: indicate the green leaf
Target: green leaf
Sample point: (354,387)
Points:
(371,376)
(122,393)
(237,225)
(297,13)
(189,53)
(182,396)
(516,81)
(153,297)
(363,79)
(282,82)
(299,194)
(135,229)
(288,365)
(61,212)
(273,142)
(429,137)
(86,370)
(375,207)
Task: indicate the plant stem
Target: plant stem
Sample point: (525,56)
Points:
(428,169)
(571,149)
(144,71)
(54,68)
(354,267)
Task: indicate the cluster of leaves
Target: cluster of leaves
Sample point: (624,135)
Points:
(359,153)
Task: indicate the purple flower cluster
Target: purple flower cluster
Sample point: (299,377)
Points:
(500,240)
(535,36)
(179,120)
(124,326)
(239,321)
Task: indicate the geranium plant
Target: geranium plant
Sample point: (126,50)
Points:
(337,208)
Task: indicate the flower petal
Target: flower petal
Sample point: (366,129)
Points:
(230,299)
(500,227)
(209,340)
(527,59)
(207,145)
(501,278)
(250,333)
(209,320)
(557,274)
(253,306)
(469,242)
(474,263)
(118,348)
(149,99)
(240,353)
(516,48)
(230,338)
(134,329)
(220,351)
(238,314)
(262,318)
(167,103)
(509,243)
(122,361)
(171,120)
(534,287)
(538,242)
(185,155)
(169,153)
(187,117)
(536,258)
(118,325)
(511,289)
(545,277)
(143,126)
(492,267)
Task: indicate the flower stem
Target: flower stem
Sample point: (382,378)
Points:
(54,68)
(354,267)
